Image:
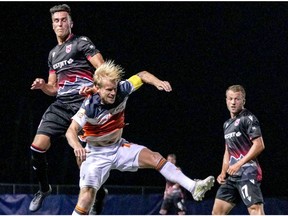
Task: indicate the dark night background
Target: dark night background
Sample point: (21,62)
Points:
(200,47)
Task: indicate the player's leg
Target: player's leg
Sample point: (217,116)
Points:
(222,207)
(94,171)
(99,202)
(85,201)
(256,209)
(39,147)
(54,123)
(165,206)
(179,204)
(150,159)
(252,197)
(226,198)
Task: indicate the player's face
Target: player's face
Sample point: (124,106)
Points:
(61,24)
(171,159)
(107,91)
(235,102)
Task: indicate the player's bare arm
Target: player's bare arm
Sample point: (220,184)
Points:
(49,88)
(72,138)
(96,60)
(255,150)
(149,78)
(221,179)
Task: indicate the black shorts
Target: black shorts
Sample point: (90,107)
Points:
(176,201)
(236,189)
(57,118)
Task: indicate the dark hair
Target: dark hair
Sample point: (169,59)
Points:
(63,7)
(172,155)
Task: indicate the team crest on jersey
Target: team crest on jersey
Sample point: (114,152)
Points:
(68,48)
(237,122)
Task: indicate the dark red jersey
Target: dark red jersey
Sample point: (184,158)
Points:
(239,133)
(70,62)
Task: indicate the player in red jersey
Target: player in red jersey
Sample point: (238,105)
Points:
(72,63)
(241,174)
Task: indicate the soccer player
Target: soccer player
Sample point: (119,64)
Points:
(173,194)
(102,118)
(72,63)
(241,173)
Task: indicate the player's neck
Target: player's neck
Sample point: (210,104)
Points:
(64,39)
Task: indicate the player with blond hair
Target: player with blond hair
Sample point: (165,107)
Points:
(102,118)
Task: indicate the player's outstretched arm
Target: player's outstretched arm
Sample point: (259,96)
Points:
(149,78)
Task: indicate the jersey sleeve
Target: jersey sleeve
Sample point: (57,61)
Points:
(80,117)
(50,66)
(87,47)
(253,127)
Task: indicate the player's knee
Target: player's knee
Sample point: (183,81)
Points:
(256,209)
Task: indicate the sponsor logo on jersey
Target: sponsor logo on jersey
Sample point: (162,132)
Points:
(68,48)
(62,63)
(233,134)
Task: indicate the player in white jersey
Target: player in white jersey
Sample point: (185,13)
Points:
(102,118)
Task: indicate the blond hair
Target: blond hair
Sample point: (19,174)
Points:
(237,88)
(108,70)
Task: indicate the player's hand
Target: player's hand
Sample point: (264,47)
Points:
(81,154)
(85,90)
(232,170)
(164,85)
(221,179)
(38,83)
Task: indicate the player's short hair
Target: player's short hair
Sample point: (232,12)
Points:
(62,7)
(172,155)
(237,88)
(108,70)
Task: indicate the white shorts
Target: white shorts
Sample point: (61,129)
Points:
(122,156)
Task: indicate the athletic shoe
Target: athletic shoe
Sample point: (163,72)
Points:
(37,201)
(201,187)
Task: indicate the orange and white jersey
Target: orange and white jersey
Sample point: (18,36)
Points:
(103,124)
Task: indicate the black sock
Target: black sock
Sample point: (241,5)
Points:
(40,167)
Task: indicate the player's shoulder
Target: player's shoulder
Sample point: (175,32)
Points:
(248,116)
(82,38)
(246,113)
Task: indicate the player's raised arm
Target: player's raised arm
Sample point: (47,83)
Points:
(149,78)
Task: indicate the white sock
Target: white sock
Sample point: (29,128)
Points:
(173,174)
(75,213)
